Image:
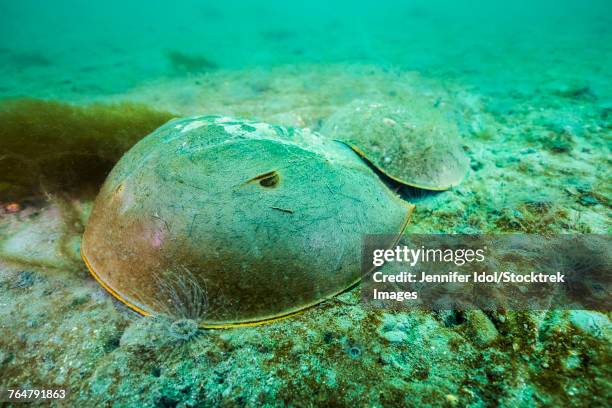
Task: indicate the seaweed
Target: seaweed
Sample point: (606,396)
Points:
(558,142)
(582,93)
(29,59)
(49,146)
(535,217)
(189,64)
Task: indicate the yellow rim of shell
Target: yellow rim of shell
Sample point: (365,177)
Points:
(410,209)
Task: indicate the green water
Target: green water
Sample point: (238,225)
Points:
(72,49)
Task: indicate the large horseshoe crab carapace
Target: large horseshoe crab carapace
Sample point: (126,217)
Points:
(232,222)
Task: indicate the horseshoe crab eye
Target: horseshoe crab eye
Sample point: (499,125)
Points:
(270,181)
(267,180)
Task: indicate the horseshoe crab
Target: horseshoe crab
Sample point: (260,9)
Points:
(414,145)
(231,222)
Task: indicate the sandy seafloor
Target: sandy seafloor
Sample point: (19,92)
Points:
(530,87)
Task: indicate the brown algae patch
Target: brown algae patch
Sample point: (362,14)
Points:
(48,146)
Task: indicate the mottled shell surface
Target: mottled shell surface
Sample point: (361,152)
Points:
(232,222)
(414,143)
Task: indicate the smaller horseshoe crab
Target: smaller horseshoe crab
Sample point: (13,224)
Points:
(414,145)
(231,222)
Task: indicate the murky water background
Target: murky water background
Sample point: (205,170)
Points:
(73,49)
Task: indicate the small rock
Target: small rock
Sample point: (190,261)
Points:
(480,328)
(395,336)
(452,400)
(593,323)
(588,200)
(389,122)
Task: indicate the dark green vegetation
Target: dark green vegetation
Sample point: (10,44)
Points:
(46,146)
(183,63)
